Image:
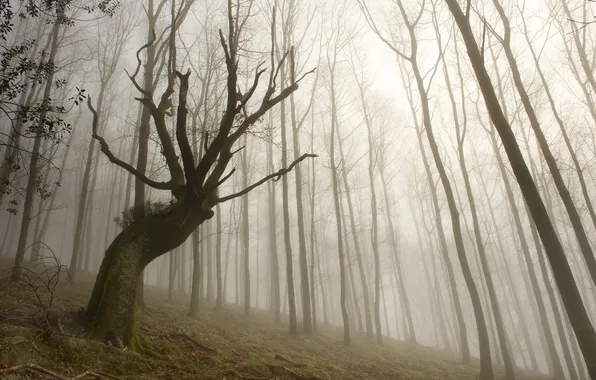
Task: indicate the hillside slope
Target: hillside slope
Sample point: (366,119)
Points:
(214,345)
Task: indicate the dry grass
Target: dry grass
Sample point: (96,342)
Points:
(245,348)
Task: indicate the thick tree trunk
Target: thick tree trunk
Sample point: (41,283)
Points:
(568,202)
(551,296)
(553,356)
(111,309)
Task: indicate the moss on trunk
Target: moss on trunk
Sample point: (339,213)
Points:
(112,307)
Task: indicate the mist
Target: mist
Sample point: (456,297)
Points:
(376,173)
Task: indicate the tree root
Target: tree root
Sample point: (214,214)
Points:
(36,368)
(142,345)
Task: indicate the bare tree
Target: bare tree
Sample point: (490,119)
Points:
(195,188)
(580,321)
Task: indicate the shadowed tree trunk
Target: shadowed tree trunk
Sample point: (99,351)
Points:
(461,130)
(570,294)
(572,212)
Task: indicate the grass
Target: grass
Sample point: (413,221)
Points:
(244,348)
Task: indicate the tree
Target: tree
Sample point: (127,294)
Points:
(461,129)
(111,308)
(580,321)
(109,52)
(486,370)
(26,70)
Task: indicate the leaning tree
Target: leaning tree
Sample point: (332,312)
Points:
(194,180)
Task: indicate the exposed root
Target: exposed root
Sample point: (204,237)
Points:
(35,368)
(142,345)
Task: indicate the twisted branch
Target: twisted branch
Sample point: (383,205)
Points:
(105,149)
(274,176)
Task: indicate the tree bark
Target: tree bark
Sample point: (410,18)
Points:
(111,309)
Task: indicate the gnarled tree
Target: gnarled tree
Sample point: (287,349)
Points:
(111,309)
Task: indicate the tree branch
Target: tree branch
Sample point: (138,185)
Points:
(181,136)
(275,175)
(139,63)
(105,149)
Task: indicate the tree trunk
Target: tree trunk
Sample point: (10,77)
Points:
(486,368)
(338,217)
(484,265)
(570,294)
(219,286)
(111,309)
(196,274)
(574,217)
(463,334)
(313,234)
(274,287)
(34,161)
(355,236)
(286,223)
(307,327)
(245,232)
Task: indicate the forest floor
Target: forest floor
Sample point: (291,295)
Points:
(214,345)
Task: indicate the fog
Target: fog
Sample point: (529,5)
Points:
(419,170)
